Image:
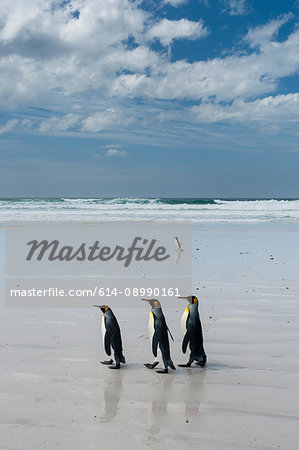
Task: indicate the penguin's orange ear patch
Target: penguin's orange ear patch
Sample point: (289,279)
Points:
(195,300)
(106,309)
(156,303)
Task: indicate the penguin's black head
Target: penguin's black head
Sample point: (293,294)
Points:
(191,299)
(153,302)
(103,308)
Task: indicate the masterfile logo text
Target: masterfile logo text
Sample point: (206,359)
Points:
(145,250)
(64,263)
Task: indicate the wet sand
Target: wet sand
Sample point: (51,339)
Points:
(54,393)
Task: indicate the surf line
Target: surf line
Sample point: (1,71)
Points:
(146,251)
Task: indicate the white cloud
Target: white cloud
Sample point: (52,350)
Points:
(94,57)
(116,152)
(8,126)
(45,47)
(49,53)
(236,7)
(175,2)
(104,120)
(59,123)
(168,30)
(262,34)
(227,78)
(278,109)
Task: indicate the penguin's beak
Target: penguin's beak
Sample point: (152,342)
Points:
(187,298)
(98,306)
(147,301)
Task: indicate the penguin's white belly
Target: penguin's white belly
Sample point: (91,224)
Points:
(103,329)
(151,326)
(184,320)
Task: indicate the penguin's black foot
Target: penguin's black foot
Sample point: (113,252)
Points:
(162,371)
(116,366)
(185,365)
(151,366)
(201,363)
(107,363)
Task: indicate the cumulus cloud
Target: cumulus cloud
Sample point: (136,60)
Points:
(100,55)
(93,55)
(227,78)
(168,30)
(66,46)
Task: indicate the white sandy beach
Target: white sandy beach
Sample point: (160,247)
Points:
(54,393)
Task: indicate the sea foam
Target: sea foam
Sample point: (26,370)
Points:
(152,209)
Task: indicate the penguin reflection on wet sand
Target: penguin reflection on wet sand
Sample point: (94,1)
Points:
(158,332)
(191,326)
(111,337)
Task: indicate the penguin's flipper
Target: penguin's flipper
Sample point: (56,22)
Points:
(170,333)
(151,366)
(186,341)
(155,343)
(107,342)
(107,363)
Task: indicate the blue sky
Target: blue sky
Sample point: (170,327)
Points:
(151,98)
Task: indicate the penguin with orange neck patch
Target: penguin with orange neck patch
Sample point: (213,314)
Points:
(158,332)
(111,337)
(191,326)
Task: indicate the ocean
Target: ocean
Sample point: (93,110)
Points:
(151,209)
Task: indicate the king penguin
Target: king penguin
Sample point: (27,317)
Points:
(111,337)
(158,332)
(191,326)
